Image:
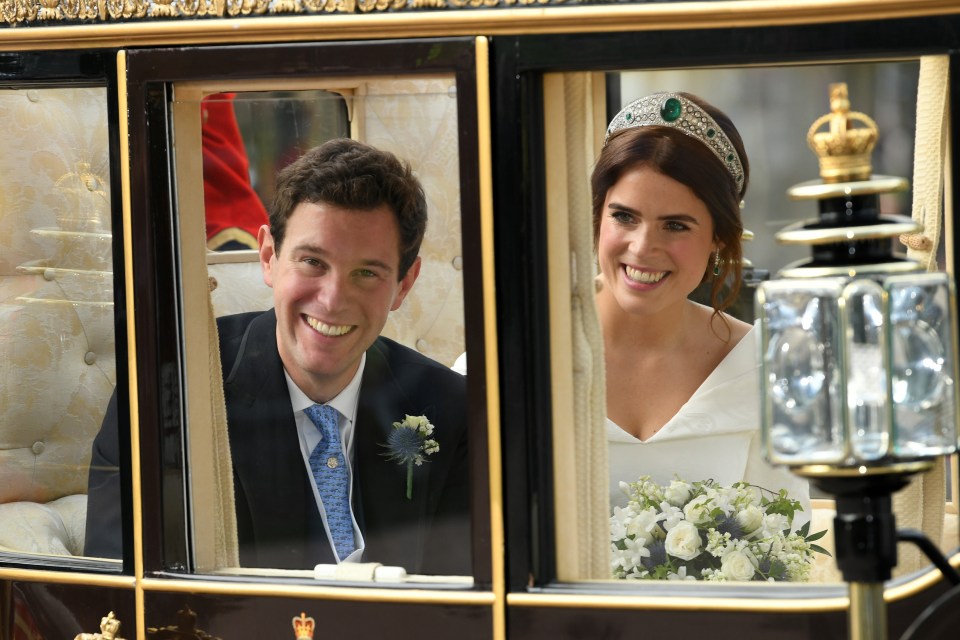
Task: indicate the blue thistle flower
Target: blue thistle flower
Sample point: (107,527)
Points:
(404,445)
(408,444)
(726,524)
(658,555)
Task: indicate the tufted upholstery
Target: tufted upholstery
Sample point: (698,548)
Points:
(57,366)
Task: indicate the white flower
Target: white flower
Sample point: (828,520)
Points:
(774,523)
(643,524)
(737,565)
(630,556)
(683,541)
(677,493)
(681,574)
(670,515)
(750,518)
(698,510)
(718,544)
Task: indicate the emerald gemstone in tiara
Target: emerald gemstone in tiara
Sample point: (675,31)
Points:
(711,132)
(628,116)
(671,109)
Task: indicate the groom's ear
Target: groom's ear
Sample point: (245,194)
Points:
(267,253)
(406,283)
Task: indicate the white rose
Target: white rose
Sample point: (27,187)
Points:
(683,541)
(698,510)
(750,518)
(737,565)
(677,493)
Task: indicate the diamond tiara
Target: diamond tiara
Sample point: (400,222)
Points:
(672,110)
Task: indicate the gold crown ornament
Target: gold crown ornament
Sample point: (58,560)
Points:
(672,110)
(303,627)
(850,234)
(843,150)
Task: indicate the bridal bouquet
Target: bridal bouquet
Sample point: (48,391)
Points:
(705,531)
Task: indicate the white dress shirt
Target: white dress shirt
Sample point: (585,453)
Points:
(346,403)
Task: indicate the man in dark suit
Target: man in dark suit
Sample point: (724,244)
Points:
(340,253)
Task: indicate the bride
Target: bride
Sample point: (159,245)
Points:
(682,378)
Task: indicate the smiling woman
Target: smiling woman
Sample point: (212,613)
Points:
(681,391)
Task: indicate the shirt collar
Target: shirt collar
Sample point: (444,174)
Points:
(345,402)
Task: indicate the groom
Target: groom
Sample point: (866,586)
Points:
(312,389)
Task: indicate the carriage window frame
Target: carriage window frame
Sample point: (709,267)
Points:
(154,77)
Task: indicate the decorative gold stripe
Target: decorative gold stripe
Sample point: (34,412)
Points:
(818,189)
(507,20)
(124,135)
(494,465)
(892,593)
(920,583)
(67,577)
(683,603)
(422,596)
(890,226)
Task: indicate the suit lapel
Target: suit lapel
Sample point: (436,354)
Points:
(268,464)
(392,524)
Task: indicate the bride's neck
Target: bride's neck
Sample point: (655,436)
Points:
(663,331)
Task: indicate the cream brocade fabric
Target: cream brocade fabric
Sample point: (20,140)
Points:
(57,366)
(417,120)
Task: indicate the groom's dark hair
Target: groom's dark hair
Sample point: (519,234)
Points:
(353,175)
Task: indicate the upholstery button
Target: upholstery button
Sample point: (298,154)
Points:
(89,357)
(38,447)
(33,95)
(458,263)
(49,274)
(422,345)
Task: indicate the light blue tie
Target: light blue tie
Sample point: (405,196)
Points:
(330,473)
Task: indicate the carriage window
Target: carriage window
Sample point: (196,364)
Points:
(56,313)
(291,330)
(657,462)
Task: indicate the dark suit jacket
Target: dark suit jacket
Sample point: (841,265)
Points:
(278,523)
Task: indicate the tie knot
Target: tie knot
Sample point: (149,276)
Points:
(325,417)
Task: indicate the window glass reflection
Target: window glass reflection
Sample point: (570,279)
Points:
(56,312)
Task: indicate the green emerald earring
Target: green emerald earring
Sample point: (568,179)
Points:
(716,264)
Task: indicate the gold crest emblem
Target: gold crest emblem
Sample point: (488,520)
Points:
(303,627)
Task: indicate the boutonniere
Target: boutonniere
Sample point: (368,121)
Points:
(410,443)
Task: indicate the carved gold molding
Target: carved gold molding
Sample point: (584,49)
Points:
(123,23)
(26,12)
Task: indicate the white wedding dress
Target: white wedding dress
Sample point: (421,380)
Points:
(716,434)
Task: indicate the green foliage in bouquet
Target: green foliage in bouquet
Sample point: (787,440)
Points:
(705,531)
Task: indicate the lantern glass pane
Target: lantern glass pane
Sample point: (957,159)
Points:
(922,364)
(801,376)
(867,406)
